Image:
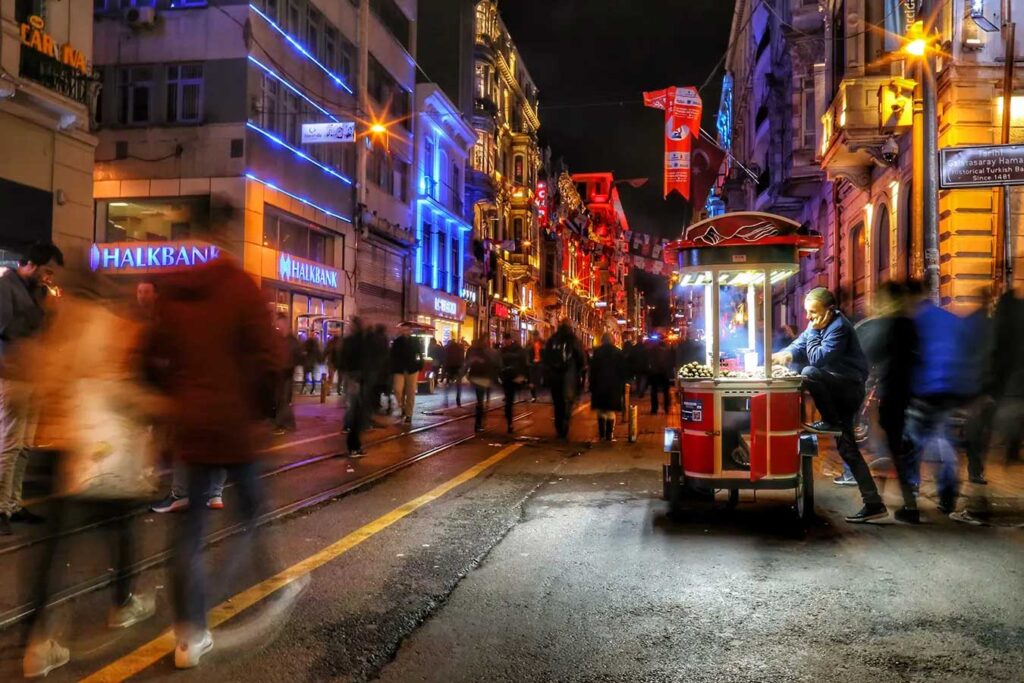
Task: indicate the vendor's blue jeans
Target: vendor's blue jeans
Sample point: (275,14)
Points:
(929,432)
(838,399)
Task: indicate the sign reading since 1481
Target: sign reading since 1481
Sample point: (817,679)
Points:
(983,166)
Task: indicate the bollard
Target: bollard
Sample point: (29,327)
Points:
(632,424)
(323,387)
(625,403)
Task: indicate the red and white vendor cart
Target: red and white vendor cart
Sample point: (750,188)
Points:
(740,418)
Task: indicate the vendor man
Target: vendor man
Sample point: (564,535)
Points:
(834,372)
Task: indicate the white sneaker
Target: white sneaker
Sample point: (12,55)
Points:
(139,608)
(190,650)
(43,657)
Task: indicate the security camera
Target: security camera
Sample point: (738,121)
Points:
(890,151)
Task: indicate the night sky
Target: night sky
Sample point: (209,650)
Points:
(586,56)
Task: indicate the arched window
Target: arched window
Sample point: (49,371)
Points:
(882,246)
(858,267)
(907,232)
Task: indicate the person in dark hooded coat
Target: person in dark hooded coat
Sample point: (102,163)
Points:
(607,385)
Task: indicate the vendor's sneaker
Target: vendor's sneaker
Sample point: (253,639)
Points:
(190,650)
(43,657)
(171,503)
(215,503)
(822,427)
(845,479)
(868,513)
(908,515)
(26,516)
(138,609)
(965,517)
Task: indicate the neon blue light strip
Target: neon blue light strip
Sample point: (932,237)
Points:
(299,153)
(298,46)
(438,207)
(291,87)
(305,201)
(448,258)
(419,244)
(462,261)
(437,261)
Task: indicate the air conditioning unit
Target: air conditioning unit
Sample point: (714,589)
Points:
(140,17)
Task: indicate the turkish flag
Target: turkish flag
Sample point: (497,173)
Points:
(683,108)
(706,160)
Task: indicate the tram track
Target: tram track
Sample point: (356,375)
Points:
(17,614)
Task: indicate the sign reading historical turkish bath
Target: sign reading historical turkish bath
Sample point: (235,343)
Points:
(34,35)
(294,269)
(149,257)
(981,166)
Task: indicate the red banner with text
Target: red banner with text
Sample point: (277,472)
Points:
(682,106)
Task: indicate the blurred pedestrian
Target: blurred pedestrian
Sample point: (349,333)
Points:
(659,374)
(331,350)
(535,358)
(563,363)
(221,368)
(482,367)
(358,385)
(513,373)
(287,356)
(639,366)
(378,358)
(21,317)
(454,360)
(406,363)
(890,343)
(435,352)
(607,386)
(97,415)
(628,349)
(834,371)
(311,358)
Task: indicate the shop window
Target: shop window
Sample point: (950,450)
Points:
(314,28)
(321,248)
(269,113)
(134,94)
(151,220)
(518,169)
(427,247)
(388,93)
(517,229)
(291,234)
(184,93)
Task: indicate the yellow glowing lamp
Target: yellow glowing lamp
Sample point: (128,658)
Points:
(916,44)
(378,129)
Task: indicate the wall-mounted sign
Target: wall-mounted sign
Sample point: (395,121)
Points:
(294,269)
(34,35)
(501,311)
(344,131)
(440,304)
(981,166)
(542,203)
(149,257)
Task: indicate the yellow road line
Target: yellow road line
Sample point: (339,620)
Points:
(163,645)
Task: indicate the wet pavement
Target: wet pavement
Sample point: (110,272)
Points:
(558,563)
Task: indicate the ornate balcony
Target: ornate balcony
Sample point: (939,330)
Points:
(864,113)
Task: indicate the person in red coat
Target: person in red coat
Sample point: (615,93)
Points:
(214,334)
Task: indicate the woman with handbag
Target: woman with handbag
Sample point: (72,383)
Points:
(98,417)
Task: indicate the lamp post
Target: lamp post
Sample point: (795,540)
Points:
(1009,31)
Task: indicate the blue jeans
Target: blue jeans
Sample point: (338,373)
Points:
(179,482)
(928,429)
(189,580)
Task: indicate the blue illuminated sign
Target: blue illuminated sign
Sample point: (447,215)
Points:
(293,269)
(149,256)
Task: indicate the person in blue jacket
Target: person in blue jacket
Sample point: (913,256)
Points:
(834,371)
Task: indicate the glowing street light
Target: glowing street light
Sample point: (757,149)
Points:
(916,44)
(378,129)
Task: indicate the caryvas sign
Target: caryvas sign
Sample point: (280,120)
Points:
(149,256)
(293,269)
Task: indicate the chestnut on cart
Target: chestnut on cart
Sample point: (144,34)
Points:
(740,418)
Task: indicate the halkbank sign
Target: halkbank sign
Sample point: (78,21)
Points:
(149,257)
(294,269)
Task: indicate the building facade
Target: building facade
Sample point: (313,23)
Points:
(202,123)
(443,142)
(47,91)
(502,184)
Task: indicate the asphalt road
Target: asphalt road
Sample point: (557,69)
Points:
(558,563)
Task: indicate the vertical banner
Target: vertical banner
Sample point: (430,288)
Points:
(682,119)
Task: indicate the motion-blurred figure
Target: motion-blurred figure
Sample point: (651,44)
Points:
(564,362)
(454,359)
(889,340)
(513,374)
(482,366)
(535,358)
(97,415)
(311,358)
(405,366)
(662,365)
(358,385)
(21,317)
(607,386)
(379,361)
(212,327)
(834,372)
(331,350)
(287,357)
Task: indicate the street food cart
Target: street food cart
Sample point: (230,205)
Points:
(740,417)
(426,380)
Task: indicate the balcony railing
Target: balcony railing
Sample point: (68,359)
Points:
(444,194)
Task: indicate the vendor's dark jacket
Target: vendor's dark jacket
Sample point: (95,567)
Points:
(834,350)
(404,355)
(21,311)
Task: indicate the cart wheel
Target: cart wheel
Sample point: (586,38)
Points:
(734,498)
(805,490)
